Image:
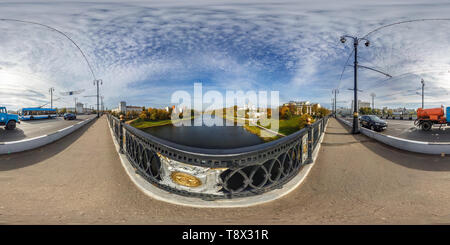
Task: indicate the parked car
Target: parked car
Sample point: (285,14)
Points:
(8,120)
(373,123)
(70,116)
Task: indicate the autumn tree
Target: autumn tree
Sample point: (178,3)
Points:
(303,121)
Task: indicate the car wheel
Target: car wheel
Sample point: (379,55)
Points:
(372,128)
(11,125)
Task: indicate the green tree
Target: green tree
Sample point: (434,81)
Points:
(322,112)
(390,112)
(365,110)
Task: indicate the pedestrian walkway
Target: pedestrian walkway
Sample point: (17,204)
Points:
(355,180)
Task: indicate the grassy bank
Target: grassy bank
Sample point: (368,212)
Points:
(141,124)
(252,129)
(286,126)
(256,130)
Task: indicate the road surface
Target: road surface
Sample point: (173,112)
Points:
(35,128)
(405,129)
(355,180)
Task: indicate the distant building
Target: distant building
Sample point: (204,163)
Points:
(299,105)
(361,104)
(79,108)
(123,108)
(88,110)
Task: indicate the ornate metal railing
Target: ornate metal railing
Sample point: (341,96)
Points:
(217,173)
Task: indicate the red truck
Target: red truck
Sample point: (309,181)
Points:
(426,118)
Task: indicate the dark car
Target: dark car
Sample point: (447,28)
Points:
(373,123)
(70,116)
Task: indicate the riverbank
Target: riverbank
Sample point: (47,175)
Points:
(264,126)
(141,124)
(255,129)
(285,127)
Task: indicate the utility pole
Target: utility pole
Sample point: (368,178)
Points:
(335,91)
(75,99)
(51,97)
(102,106)
(97,82)
(373,99)
(355,67)
(355,94)
(423,88)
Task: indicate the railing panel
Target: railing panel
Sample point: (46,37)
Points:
(216,173)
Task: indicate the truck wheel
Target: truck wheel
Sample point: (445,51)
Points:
(426,126)
(11,125)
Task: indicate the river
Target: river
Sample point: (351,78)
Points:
(210,137)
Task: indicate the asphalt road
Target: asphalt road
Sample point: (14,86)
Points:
(35,128)
(355,180)
(405,129)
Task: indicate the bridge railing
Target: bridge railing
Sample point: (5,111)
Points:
(217,173)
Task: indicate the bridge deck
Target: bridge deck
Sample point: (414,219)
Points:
(79,179)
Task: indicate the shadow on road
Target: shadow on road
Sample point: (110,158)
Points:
(12,135)
(43,121)
(27,158)
(404,158)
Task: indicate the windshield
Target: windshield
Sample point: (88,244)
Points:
(375,118)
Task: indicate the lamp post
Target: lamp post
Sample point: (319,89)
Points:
(355,67)
(423,88)
(51,97)
(335,91)
(75,99)
(373,101)
(97,82)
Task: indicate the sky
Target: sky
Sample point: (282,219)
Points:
(144,51)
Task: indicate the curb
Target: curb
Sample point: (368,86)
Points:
(36,142)
(433,148)
(161,195)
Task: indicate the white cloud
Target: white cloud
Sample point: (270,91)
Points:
(136,46)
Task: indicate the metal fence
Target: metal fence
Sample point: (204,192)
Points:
(217,173)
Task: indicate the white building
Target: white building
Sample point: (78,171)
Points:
(123,108)
(299,105)
(79,108)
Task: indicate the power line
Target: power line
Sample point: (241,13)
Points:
(60,32)
(382,27)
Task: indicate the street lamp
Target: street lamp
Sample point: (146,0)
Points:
(51,97)
(335,91)
(75,99)
(373,101)
(355,91)
(96,82)
(423,87)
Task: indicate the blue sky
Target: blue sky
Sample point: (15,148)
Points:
(146,50)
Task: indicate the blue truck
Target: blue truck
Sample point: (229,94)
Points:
(8,120)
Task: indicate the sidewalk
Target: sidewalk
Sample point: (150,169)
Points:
(79,180)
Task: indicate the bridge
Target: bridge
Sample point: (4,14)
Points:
(79,179)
